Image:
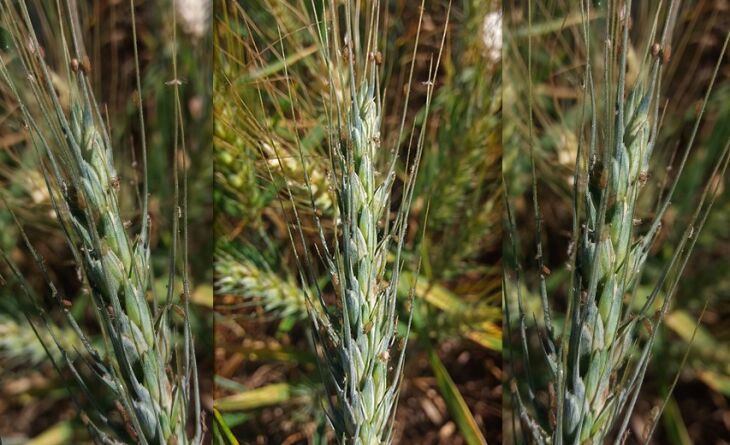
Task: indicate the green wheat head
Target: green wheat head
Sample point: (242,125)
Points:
(242,275)
(19,345)
(137,362)
(596,366)
(361,353)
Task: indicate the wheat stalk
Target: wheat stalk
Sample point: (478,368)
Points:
(357,341)
(597,366)
(135,363)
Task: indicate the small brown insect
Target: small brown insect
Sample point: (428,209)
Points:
(648,326)
(603,180)
(86,65)
(125,419)
(115,183)
(384,356)
(551,394)
(81,201)
(178,310)
(67,303)
(378,58)
(546,270)
(121,410)
(666,54)
(553,404)
(75,65)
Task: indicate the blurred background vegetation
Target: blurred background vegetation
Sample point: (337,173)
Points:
(698,410)
(34,403)
(270,132)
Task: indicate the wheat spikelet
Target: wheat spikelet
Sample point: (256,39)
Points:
(241,276)
(20,347)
